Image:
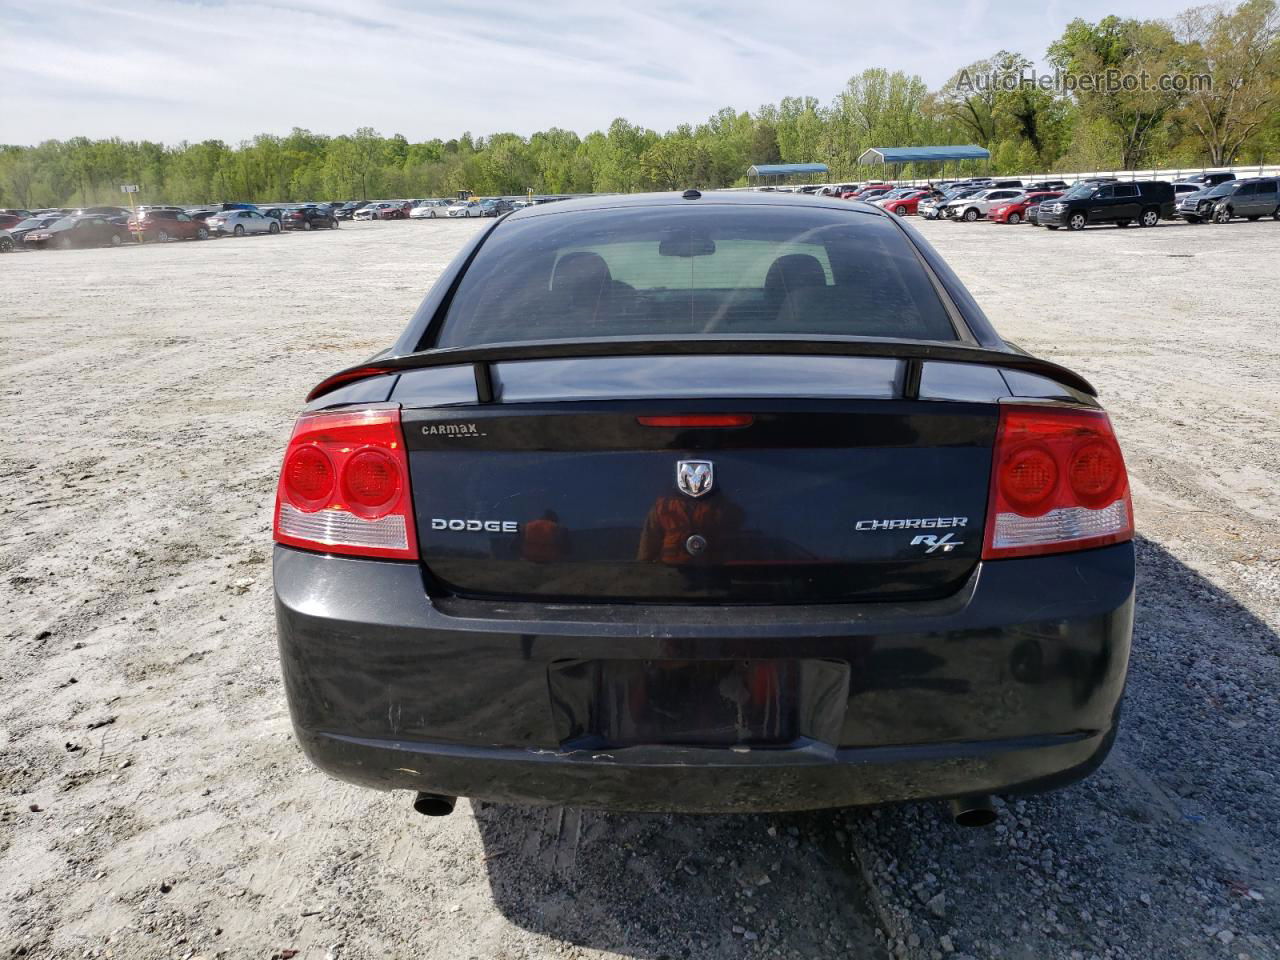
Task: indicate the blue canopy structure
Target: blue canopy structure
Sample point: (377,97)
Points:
(778,173)
(785,169)
(900,155)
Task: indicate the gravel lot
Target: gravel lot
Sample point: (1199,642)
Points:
(153,803)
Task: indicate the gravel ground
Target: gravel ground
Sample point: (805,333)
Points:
(153,803)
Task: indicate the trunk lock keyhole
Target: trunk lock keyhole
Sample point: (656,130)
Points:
(696,545)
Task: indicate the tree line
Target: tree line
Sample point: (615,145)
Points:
(1230,115)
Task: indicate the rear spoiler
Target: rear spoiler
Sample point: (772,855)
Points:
(914,352)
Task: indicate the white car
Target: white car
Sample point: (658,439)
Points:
(980,204)
(239,222)
(429,210)
(466,208)
(380,211)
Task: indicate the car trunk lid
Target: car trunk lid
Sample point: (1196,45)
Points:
(850,493)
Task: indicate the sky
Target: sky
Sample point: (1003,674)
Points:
(174,70)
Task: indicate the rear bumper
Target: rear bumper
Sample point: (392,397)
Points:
(1012,684)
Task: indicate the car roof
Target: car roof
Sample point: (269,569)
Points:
(674,199)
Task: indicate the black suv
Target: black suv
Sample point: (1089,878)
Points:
(1143,201)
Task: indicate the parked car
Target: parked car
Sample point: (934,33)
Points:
(1209,179)
(77,231)
(858,192)
(20,231)
(834,593)
(240,222)
(307,217)
(429,210)
(10,220)
(1251,199)
(464,208)
(907,202)
(1197,207)
(892,193)
(930,208)
(1181,190)
(382,210)
(495,208)
(163,224)
(1060,186)
(941,208)
(347,210)
(19,212)
(1144,202)
(976,207)
(1014,210)
(7,244)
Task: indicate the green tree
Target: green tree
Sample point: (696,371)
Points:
(1239,51)
(1123,48)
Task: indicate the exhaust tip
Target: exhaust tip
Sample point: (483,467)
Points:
(433,804)
(973,811)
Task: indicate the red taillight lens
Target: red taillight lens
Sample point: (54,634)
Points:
(370,481)
(699,420)
(1094,471)
(344,487)
(1058,483)
(1028,478)
(308,475)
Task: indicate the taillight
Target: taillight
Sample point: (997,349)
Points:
(1058,483)
(344,486)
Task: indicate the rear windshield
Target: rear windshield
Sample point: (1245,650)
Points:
(716,269)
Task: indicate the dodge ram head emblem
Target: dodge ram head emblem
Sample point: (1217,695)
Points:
(695,477)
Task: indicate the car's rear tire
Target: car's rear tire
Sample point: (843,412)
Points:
(1013,218)
(431,214)
(1077,221)
(970,215)
(239,230)
(333,224)
(1275,214)
(1222,216)
(162,236)
(274,228)
(899,210)
(202,233)
(1150,217)
(6,244)
(116,240)
(306,225)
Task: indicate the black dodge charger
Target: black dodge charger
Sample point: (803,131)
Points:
(704,502)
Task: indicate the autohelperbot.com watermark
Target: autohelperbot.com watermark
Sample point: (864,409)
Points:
(1112,80)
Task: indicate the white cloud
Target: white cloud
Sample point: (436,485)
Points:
(175,70)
